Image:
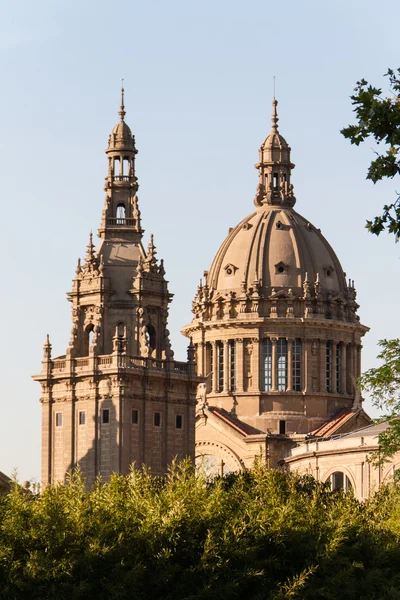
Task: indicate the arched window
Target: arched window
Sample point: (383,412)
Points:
(151,337)
(120,214)
(117,166)
(87,339)
(340,481)
(267,364)
(121,329)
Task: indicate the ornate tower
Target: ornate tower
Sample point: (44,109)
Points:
(275,329)
(118,396)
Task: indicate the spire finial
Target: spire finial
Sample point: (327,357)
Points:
(274,118)
(122,112)
(90,249)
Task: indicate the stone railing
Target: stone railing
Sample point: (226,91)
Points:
(121,178)
(121,222)
(105,363)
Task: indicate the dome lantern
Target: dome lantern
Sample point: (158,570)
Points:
(274,168)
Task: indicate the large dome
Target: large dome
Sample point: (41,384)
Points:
(280,250)
(275,263)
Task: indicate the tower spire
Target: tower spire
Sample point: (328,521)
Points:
(274,117)
(274,168)
(121,216)
(122,112)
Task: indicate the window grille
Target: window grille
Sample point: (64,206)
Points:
(267,364)
(282,364)
(329,366)
(296,365)
(220,365)
(232,366)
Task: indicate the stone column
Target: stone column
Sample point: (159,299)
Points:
(349,361)
(333,367)
(358,360)
(239,366)
(274,342)
(306,365)
(255,366)
(289,342)
(343,369)
(214,368)
(226,366)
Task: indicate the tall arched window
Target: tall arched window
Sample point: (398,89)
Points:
(282,364)
(120,214)
(296,365)
(117,166)
(151,337)
(267,364)
(87,339)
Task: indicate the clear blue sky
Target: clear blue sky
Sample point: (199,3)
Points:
(198,81)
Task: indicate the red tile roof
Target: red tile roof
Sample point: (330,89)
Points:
(333,425)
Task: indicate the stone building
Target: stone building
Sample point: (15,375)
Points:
(344,460)
(117,396)
(275,330)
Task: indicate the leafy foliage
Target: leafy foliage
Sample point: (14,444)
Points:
(379,118)
(263,534)
(383,384)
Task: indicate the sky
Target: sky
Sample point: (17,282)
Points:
(198,90)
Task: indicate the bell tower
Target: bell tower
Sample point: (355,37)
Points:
(117,396)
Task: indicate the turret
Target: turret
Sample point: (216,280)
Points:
(121,215)
(274,168)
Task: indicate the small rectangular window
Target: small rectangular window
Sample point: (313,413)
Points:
(282,427)
(178,421)
(82,417)
(106,415)
(135,416)
(157,419)
(58,419)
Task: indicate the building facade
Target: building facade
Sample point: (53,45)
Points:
(117,396)
(275,329)
(345,460)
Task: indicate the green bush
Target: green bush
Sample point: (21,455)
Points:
(260,535)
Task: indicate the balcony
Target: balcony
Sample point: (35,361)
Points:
(121,222)
(61,367)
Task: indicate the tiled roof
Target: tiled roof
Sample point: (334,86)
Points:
(233,421)
(331,427)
